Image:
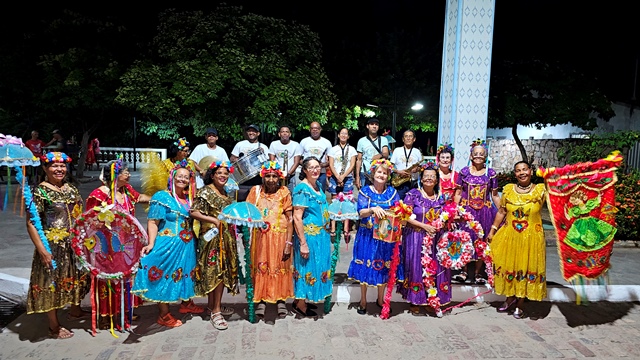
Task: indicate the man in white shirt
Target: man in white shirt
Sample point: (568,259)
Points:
(208,149)
(249,164)
(317,146)
(406,161)
(289,149)
(370,147)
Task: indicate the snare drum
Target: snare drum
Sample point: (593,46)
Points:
(249,165)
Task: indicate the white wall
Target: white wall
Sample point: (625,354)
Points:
(622,120)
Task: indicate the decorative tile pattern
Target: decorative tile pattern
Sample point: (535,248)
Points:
(466,70)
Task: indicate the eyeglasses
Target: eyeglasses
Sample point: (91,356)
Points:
(432,177)
(186,151)
(186,178)
(314,168)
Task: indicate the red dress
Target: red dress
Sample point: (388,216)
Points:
(110,305)
(448,187)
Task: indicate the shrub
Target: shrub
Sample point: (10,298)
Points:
(628,204)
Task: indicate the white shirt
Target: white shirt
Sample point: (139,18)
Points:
(292,149)
(369,151)
(403,159)
(244,146)
(336,153)
(203,150)
(318,148)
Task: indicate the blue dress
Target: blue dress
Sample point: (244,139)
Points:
(372,258)
(312,278)
(167,273)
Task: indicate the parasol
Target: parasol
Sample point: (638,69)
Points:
(242,213)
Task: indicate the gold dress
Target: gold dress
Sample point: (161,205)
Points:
(519,249)
(218,258)
(64,285)
(272,277)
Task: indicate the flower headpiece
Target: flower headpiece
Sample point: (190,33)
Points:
(181,143)
(271,166)
(478,142)
(183,164)
(444,148)
(217,164)
(428,165)
(55,157)
(377,162)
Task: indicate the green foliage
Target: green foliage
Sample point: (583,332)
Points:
(227,69)
(628,204)
(598,146)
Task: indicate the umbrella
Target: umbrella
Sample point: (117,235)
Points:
(242,213)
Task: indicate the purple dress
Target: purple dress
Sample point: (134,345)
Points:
(412,288)
(476,198)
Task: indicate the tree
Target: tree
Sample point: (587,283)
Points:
(544,93)
(227,69)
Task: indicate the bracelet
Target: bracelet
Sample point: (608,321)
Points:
(288,243)
(494,227)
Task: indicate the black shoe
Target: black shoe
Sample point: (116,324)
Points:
(308,313)
(362,310)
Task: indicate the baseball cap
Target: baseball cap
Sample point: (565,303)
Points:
(254,127)
(211,131)
(373,120)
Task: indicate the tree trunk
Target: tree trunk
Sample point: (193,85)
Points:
(523,152)
(84,144)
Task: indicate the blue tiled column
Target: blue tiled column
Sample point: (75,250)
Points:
(466,69)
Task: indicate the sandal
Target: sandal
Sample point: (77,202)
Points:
(61,333)
(507,305)
(414,310)
(362,310)
(282,309)
(480,280)
(190,307)
(218,321)
(518,313)
(260,309)
(311,306)
(169,321)
(307,313)
(461,277)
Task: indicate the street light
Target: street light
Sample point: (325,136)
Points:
(394,106)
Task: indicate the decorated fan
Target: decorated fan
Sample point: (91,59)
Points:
(107,242)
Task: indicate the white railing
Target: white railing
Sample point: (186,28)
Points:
(141,156)
(633,159)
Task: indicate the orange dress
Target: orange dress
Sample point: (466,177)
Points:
(272,277)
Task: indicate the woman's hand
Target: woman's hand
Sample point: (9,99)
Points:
(286,254)
(429,229)
(145,250)
(490,236)
(304,250)
(379,212)
(46,258)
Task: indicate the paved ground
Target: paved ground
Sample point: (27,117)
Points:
(557,328)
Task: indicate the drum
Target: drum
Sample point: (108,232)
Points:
(249,165)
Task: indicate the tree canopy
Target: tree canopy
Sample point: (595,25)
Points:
(227,69)
(544,93)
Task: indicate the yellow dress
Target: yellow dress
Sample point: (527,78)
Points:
(518,247)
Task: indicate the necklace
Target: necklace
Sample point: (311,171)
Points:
(525,188)
(432,197)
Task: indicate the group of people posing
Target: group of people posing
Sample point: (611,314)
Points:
(191,252)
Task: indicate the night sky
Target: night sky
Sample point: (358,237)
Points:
(601,37)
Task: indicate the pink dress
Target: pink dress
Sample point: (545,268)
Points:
(448,186)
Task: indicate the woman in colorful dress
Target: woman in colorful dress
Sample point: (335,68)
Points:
(179,150)
(312,278)
(217,254)
(168,267)
(371,257)
(427,205)
(58,203)
(477,192)
(115,189)
(518,247)
(271,246)
(448,176)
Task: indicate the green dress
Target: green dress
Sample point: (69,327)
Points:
(588,233)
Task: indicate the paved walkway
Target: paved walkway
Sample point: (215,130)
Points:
(557,328)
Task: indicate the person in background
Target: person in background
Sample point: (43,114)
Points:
(371,147)
(209,148)
(36,145)
(406,161)
(318,147)
(289,149)
(448,176)
(242,149)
